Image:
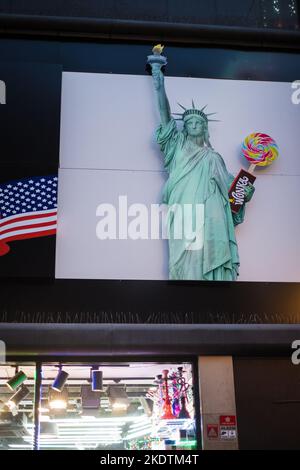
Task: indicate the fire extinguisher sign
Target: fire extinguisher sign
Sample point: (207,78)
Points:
(228,427)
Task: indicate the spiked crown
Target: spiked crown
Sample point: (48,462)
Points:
(194,112)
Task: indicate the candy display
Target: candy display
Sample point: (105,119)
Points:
(260,149)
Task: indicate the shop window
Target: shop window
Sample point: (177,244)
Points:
(129,406)
(16,406)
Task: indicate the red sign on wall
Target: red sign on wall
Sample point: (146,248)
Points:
(228,420)
(228,427)
(212,431)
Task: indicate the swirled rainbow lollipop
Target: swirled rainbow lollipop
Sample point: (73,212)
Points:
(260,150)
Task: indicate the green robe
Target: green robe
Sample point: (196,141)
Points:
(198,175)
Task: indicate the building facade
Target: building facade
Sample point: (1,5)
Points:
(226,346)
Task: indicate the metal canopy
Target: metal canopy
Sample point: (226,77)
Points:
(71,340)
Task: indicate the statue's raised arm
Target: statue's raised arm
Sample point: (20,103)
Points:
(157,61)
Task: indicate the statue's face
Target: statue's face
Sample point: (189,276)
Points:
(195,126)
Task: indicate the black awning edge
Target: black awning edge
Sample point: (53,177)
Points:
(130,30)
(71,340)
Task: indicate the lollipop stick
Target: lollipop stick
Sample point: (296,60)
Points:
(251,168)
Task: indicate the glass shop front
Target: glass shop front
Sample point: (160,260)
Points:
(107,406)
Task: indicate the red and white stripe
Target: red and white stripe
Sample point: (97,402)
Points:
(29,225)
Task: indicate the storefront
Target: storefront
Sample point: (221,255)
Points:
(148,352)
(107,406)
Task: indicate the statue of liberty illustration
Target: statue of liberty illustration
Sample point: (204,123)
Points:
(197,174)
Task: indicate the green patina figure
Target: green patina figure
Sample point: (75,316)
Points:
(197,175)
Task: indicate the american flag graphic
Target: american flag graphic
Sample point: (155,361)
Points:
(28,209)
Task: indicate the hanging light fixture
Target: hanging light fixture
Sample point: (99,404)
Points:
(97,380)
(16,380)
(89,399)
(118,397)
(16,399)
(58,400)
(60,380)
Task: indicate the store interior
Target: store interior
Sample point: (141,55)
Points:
(107,406)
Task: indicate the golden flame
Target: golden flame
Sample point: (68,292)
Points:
(158,49)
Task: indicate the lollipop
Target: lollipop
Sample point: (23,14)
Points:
(259,149)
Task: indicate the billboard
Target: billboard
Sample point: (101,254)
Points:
(112,177)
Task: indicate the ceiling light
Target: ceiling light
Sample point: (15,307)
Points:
(58,405)
(16,399)
(16,380)
(58,400)
(118,397)
(89,399)
(60,380)
(97,380)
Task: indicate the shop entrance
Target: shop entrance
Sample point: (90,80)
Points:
(98,406)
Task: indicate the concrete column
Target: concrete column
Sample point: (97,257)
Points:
(217,402)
